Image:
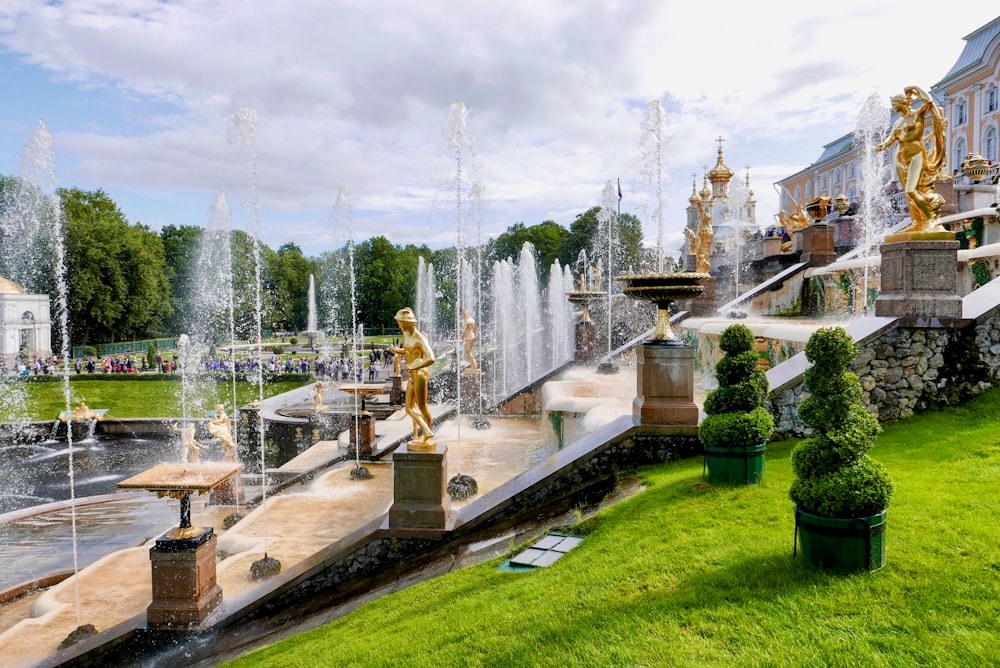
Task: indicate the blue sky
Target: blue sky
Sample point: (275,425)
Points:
(139,94)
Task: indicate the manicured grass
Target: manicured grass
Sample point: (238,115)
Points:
(132,398)
(687,574)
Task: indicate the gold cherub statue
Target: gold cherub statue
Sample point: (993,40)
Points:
(419,357)
(190,448)
(917,165)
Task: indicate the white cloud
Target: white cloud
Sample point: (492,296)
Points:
(357,93)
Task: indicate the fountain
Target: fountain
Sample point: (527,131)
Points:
(665,365)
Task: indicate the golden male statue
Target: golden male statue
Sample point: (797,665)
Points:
(419,357)
(917,165)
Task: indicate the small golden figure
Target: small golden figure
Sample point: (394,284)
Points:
(419,357)
(190,448)
(918,166)
(221,428)
(469,337)
(317,395)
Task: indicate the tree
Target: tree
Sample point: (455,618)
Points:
(181,245)
(288,280)
(116,272)
(548,238)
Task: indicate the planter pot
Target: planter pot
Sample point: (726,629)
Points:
(735,466)
(838,544)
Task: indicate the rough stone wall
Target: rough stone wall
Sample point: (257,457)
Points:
(908,370)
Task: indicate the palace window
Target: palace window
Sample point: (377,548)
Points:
(959,153)
(822,182)
(990,145)
(809,189)
(961,113)
(991,99)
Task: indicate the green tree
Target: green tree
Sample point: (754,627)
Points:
(181,245)
(288,279)
(586,233)
(116,272)
(548,238)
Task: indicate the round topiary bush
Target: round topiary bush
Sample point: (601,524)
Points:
(834,475)
(738,426)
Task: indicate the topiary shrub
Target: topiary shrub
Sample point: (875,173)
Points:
(834,475)
(736,418)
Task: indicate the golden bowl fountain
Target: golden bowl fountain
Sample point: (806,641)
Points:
(663,290)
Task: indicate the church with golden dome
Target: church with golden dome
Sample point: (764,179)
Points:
(728,208)
(26,323)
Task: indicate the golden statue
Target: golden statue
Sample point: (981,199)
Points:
(221,427)
(583,281)
(792,222)
(918,166)
(190,448)
(419,357)
(469,337)
(82,413)
(597,278)
(317,395)
(701,243)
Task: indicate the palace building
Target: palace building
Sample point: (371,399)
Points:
(970,98)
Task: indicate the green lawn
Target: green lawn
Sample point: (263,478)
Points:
(124,398)
(687,574)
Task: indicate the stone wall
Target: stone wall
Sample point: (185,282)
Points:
(910,369)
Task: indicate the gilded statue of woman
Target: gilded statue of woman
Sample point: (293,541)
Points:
(469,337)
(419,357)
(701,243)
(917,166)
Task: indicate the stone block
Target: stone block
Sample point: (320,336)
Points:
(419,484)
(919,279)
(185,590)
(665,385)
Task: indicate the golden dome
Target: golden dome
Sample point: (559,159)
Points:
(9,287)
(693,199)
(706,192)
(720,173)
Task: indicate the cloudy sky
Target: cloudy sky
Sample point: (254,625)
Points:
(140,96)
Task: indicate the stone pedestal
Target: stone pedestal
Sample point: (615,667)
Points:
(704,304)
(665,385)
(817,244)
(586,349)
(419,488)
(184,586)
(396,393)
(362,432)
(919,279)
(472,387)
(772,246)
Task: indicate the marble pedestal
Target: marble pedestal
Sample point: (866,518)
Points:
(396,393)
(472,387)
(919,279)
(817,244)
(585,342)
(184,586)
(704,304)
(362,430)
(665,385)
(419,487)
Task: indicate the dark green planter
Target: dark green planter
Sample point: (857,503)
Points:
(735,466)
(846,545)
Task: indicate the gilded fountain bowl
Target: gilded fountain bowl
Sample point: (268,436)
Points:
(663,288)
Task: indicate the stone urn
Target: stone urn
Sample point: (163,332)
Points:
(662,290)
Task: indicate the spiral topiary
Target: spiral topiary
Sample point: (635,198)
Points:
(834,475)
(736,416)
